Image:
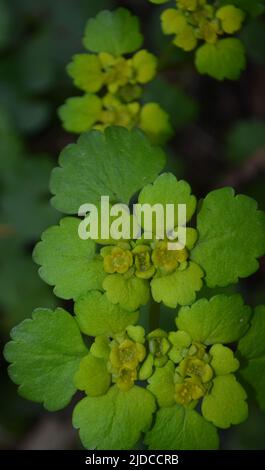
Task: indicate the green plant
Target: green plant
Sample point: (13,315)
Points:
(194,21)
(116,79)
(110,280)
(141,378)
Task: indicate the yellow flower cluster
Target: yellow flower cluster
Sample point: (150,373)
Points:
(144,261)
(193,375)
(113,87)
(124,360)
(195,20)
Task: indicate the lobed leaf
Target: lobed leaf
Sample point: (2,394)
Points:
(225,59)
(116,32)
(114,421)
(97,316)
(45,353)
(225,404)
(231,237)
(180,428)
(222,319)
(116,163)
(68,262)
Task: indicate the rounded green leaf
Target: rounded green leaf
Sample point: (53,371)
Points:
(92,376)
(162,386)
(45,353)
(166,189)
(85,69)
(178,288)
(80,113)
(68,262)
(155,122)
(231,18)
(225,59)
(130,293)
(136,333)
(116,32)
(116,163)
(182,429)
(226,402)
(114,421)
(97,316)
(101,347)
(223,361)
(231,237)
(252,348)
(222,319)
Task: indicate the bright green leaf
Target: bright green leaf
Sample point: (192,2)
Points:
(101,347)
(222,319)
(45,353)
(80,113)
(116,32)
(136,333)
(225,59)
(166,189)
(161,385)
(116,163)
(178,288)
(116,420)
(182,429)
(85,69)
(231,237)
(155,122)
(130,293)
(225,404)
(92,376)
(231,18)
(68,262)
(97,316)
(223,361)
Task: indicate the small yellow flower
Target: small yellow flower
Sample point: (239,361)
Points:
(199,350)
(117,71)
(117,113)
(209,31)
(142,258)
(127,354)
(118,261)
(196,367)
(126,379)
(188,391)
(168,260)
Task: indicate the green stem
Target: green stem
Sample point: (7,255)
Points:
(154,315)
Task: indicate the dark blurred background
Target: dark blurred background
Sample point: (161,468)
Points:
(219,140)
